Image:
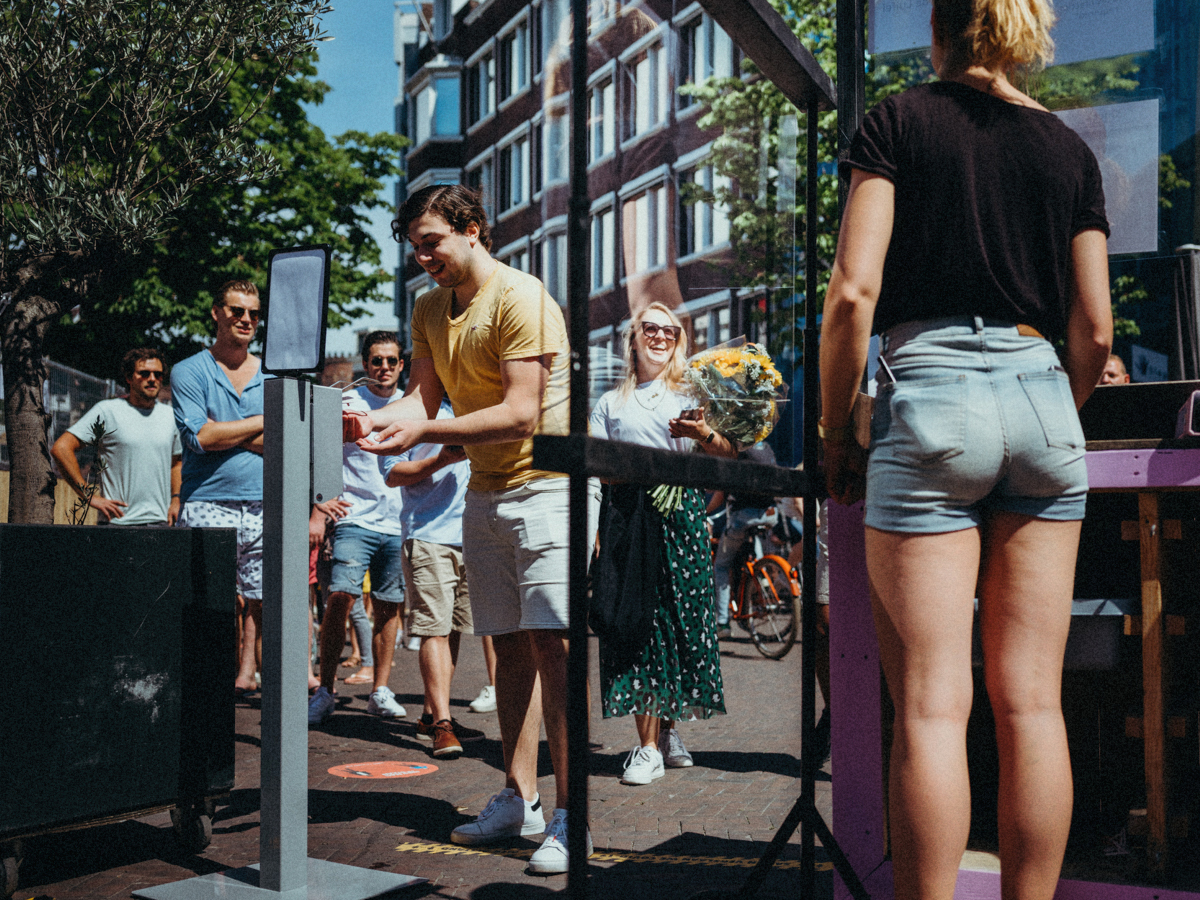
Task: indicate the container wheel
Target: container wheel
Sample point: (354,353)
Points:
(193,828)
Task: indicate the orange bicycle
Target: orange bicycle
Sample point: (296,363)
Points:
(765,596)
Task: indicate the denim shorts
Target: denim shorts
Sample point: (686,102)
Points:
(354,550)
(980,419)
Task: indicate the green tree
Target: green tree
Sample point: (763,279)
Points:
(321,192)
(114,115)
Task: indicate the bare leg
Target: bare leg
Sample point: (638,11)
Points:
(489,658)
(333,636)
(550,653)
(248,654)
(1025,611)
(313,681)
(922,587)
(519,710)
(383,639)
(647,729)
(437,658)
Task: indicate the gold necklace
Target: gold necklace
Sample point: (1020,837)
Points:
(657,398)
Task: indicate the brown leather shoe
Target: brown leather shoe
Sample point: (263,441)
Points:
(445,744)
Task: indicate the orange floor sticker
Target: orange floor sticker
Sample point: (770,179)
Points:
(383,770)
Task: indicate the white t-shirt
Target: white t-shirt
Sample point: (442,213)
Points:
(373,505)
(433,508)
(137,449)
(642,418)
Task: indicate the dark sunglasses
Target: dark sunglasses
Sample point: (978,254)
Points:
(147,374)
(652,329)
(238,311)
(380,360)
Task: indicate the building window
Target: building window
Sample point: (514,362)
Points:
(554,266)
(550,31)
(514,61)
(603,249)
(481,89)
(480,179)
(644,230)
(436,110)
(705,51)
(514,180)
(602,13)
(555,154)
(519,260)
(646,91)
(443,19)
(702,224)
(602,105)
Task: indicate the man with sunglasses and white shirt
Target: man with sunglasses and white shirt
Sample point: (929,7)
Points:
(140,449)
(218,400)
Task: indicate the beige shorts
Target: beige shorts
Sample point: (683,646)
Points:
(437,589)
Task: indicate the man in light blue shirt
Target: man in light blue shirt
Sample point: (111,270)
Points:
(218,400)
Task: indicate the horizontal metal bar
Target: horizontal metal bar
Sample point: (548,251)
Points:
(578,454)
(764,36)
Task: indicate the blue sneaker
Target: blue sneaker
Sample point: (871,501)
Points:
(320,706)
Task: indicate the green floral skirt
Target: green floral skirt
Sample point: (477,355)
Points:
(677,673)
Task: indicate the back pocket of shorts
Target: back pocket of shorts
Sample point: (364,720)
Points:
(924,420)
(1049,393)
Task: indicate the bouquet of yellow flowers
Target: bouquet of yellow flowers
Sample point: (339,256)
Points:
(739,389)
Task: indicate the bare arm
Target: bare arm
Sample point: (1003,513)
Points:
(64,451)
(691,424)
(406,474)
(216,436)
(1089,323)
(176,487)
(514,418)
(854,287)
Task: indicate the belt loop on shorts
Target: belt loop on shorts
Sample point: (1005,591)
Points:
(979,324)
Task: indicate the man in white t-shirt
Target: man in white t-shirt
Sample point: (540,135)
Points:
(140,449)
(368,536)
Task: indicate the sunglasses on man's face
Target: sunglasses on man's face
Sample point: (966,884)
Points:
(148,374)
(380,360)
(653,329)
(238,311)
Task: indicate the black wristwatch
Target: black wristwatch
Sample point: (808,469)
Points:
(711,434)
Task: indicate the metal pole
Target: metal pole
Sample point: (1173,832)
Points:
(578,762)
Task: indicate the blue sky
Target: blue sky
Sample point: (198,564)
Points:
(359,66)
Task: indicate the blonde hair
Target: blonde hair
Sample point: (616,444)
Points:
(673,374)
(996,34)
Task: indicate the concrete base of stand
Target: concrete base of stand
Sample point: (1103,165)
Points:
(326,881)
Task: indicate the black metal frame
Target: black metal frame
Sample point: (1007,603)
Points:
(764,37)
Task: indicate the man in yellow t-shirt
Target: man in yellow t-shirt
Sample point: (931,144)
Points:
(491,339)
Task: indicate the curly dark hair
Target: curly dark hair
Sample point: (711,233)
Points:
(459,206)
(129,362)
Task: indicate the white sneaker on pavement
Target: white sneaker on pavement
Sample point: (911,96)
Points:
(506,815)
(642,765)
(486,701)
(383,703)
(414,643)
(320,706)
(675,755)
(551,858)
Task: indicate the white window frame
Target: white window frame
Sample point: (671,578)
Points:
(719,47)
(602,244)
(519,76)
(518,177)
(472,69)
(646,96)
(602,117)
(556,116)
(646,225)
(718,224)
(485,160)
(706,313)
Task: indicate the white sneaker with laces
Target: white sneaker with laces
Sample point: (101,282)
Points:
(551,858)
(506,815)
(642,765)
(383,703)
(675,755)
(486,701)
(414,643)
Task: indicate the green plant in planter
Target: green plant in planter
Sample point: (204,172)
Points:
(91,483)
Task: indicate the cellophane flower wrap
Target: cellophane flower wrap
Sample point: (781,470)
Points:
(739,389)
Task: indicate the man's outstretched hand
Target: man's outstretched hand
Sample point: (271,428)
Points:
(356,425)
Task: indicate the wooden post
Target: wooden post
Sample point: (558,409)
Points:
(1152,683)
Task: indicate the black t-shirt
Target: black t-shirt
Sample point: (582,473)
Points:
(988,198)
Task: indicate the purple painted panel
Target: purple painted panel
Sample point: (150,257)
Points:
(854,683)
(1141,469)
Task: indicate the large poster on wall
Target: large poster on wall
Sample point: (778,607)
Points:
(1086,29)
(1124,137)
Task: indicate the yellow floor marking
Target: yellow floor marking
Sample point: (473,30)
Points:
(609,856)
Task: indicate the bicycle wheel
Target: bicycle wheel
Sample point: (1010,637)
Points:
(774,613)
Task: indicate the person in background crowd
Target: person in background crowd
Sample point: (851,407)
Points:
(140,451)
(974,237)
(1114,371)
(218,399)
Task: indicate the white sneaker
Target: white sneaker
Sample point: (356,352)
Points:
(642,765)
(675,755)
(383,703)
(414,643)
(506,815)
(486,701)
(551,858)
(320,706)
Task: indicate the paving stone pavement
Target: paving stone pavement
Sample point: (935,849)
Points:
(694,829)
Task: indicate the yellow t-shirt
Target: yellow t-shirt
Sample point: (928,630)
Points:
(511,317)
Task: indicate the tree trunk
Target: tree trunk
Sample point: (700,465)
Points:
(31,482)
